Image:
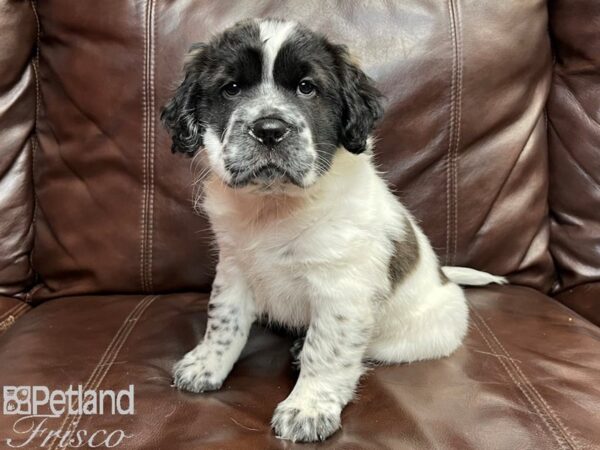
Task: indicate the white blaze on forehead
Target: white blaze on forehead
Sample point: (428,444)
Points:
(273,34)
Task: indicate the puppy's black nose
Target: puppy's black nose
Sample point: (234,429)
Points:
(269,131)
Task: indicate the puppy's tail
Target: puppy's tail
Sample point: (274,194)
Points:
(471,277)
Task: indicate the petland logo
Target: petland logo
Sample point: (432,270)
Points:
(37,405)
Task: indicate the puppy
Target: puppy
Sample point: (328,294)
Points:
(308,232)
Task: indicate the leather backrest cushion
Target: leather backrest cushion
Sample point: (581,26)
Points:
(463,141)
(574,141)
(18,33)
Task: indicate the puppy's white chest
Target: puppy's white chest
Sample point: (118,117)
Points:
(297,253)
(281,275)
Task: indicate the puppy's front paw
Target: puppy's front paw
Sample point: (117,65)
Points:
(309,422)
(194,374)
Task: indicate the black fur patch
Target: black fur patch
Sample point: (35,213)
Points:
(234,55)
(405,256)
(361,101)
(342,113)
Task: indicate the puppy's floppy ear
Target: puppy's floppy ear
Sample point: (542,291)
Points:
(180,114)
(361,102)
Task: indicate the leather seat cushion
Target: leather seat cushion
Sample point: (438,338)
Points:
(525,378)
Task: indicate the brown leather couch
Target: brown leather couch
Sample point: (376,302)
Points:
(491,136)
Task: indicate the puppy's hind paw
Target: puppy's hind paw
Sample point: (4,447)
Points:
(302,424)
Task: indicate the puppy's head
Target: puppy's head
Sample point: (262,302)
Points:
(271,102)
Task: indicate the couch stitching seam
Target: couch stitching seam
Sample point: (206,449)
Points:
(459,82)
(568,437)
(15,309)
(5,324)
(9,311)
(110,353)
(9,318)
(24,308)
(451,166)
(34,138)
(523,385)
(144,158)
(151,132)
(104,369)
(527,396)
(447,159)
(451,160)
(94,372)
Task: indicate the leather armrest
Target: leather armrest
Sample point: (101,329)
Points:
(18,31)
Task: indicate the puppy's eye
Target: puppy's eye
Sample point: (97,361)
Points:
(231,90)
(306,88)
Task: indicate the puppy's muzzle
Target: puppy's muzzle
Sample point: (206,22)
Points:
(269,131)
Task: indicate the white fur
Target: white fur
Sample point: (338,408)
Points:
(206,366)
(423,318)
(319,259)
(273,34)
(214,150)
(471,277)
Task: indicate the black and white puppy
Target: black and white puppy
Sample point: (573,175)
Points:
(308,232)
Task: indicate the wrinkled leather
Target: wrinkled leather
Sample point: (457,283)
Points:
(18,33)
(525,378)
(574,143)
(108,208)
